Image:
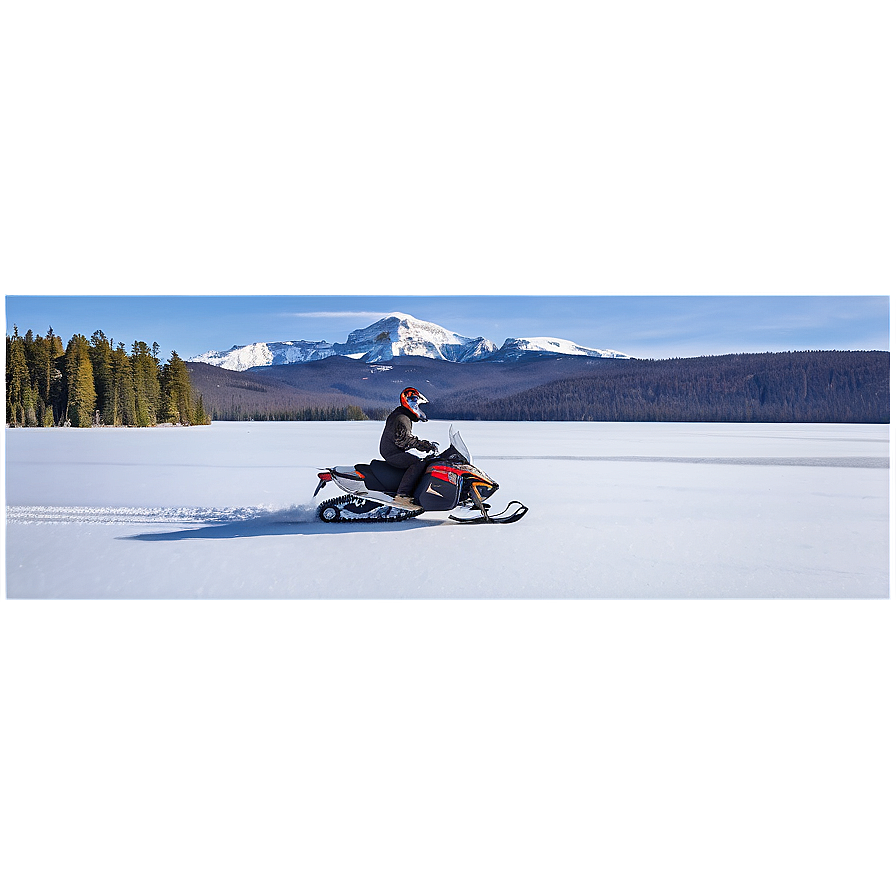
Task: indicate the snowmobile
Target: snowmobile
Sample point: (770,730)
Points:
(450,481)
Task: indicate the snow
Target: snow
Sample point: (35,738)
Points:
(265,354)
(616,511)
(761,720)
(561,346)
(239,357)
(405,335)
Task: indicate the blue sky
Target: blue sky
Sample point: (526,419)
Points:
(647,327)
(204,173)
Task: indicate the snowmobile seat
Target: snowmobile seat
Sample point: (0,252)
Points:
(380,476)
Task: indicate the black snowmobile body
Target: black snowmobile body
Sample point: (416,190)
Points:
(449,481)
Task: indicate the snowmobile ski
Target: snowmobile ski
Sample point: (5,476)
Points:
(505,516)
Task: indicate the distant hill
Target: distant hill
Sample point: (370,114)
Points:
(810,387)
(785,387)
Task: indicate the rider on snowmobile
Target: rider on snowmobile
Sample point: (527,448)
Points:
(397,438)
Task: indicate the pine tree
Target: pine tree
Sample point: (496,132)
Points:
(17,384)
(101,359)
(30,405)
(147,387)
(177,402)
(200,417)
(80,391)
(42,374)
(52,376)
(30,347)
(124,399)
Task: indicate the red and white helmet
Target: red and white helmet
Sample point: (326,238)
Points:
(411,399)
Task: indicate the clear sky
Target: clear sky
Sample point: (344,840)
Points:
(503,169)
(646,327)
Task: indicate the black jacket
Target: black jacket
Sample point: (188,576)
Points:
(397,435)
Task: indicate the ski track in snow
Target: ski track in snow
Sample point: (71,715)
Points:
(204,516)
(860,462)
(109,516)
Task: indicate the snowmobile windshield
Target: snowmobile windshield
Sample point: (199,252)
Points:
(458,444)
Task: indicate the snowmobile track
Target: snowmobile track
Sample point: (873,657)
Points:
(342,500)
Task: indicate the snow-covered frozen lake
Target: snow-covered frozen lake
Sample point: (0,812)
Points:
(617,510)
(301,745)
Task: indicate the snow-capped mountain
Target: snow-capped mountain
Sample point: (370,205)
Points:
(266,354)
(517,348)
(391,337)
(401,334)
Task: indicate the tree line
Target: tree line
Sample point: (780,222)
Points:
(779,387)
(240,412)
(95,383)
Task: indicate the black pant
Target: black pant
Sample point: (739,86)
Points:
(413,469)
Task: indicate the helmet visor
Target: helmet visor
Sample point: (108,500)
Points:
(414,402)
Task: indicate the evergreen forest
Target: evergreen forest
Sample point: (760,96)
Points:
(293,414)
(775,387)
(95,383)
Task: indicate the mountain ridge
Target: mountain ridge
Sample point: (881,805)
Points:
(396,335)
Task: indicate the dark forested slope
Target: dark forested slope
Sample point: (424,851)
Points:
(808,387)
(788,387)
